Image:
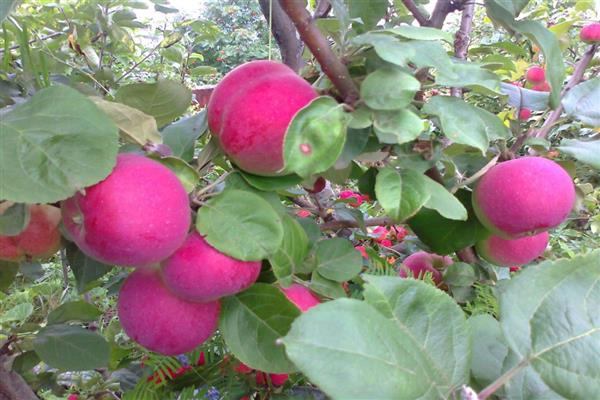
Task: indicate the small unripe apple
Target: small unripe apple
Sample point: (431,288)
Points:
(421,262)
(158,320)
(301,297)
(523,197)
(199,272)
(39,240)
(524,114)
(250,110)
(590,33)
(507,252)
(138,215)
(535,75)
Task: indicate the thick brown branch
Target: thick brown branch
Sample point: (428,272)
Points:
(284,32)
(463,37)
(335,224)
(319,47)
(414,10)
(441,10)
(322,9)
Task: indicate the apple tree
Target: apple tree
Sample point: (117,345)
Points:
(377,200)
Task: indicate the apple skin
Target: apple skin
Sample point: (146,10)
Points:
(250,110)
(523,197)
(535,75)
(276,379)
(199,272)
(301,297)
(509,252)
(524,114)
(421,262)
(39,240)
(542,87)
(158,320)
(590,33)
(139,215)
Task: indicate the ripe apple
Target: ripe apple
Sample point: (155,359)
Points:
(158,320)
(250,110)
(507,252)
(421,262)
(301,297)
(39,240)
(590,33)
(535,75)
(523,197)
(524,114)
(138,215)
(199,272)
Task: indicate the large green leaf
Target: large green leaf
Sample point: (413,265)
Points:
(181,136)
(241,224)
(252,321)
(6,7)
(489,349)
(74,311)
(421,33)
(18,313)
(525,98)
(337,259)
(134,125)
(351,351)
(165,100)
(370,12)
(8,271)
(432,319)
(85,269)
(71,348)
(315,138)
(294,248)
(540,35)
(468,75)
(444,202)
(587,152)
(401,194)
(397,126)
(443,235)
(464,123)
(271,183)
(56,143)
(583,102)
(14,219)
(557,329)
(389,89)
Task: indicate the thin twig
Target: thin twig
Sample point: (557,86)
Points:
(463,38)
(414,10)
(50,36)
(319,46)
(335,224)
(208,188)
(130,70)
(473,178)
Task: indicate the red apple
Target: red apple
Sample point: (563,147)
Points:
(421,262)
(507,252)
(535,75)
(590,33)
(524,114)
(301,297)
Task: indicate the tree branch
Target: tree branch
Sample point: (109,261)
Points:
(414,10)
(335,224)
(12,385)
(463,38)
(441,10)
(284,32)
(322,9)
(319,47)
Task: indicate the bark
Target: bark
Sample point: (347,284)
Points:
(284,32)
(12,385)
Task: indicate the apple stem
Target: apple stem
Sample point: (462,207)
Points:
(498,383)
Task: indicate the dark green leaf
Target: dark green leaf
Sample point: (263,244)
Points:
(71,348)
(337,259)
(460,274)
(237,217)
(252,321)
(326,287)
(315,138)
(53,145)
(74,311)
(370,12)
(271,183)
(389,89)
(14,219)
(294,248)
(181,136)
(8,271)
(85,269)
(188,176)
(164,100)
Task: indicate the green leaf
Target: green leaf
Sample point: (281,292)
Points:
(388,189)
(398,126)
(464,123)
(370,12)
(188,176)
(337,259)
(587,152)
(56,143)
(14,219)
(489,349)
(237,217)
(460,274)
(351,351)
(271,183)
(294,248)
(432,319)
(444,202)
(74,311)
(18,313)
(165,10)
(524,98)
(558,327)
(583,102)
(181,136)
(356,140)
(315,138)
(85,269)
(134,125)
(71,348)
(514,7)
(421,33)
(252,321)
(389,89)
(165,100)
(540,35)
(467,75)
(443,235)
(326,287)
(203,70)
(8,272)
(6,7)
